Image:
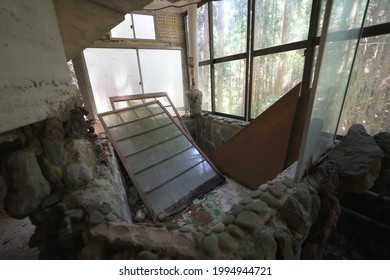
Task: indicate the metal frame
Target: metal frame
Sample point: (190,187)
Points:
(312,41)
(183,202)
(153,95)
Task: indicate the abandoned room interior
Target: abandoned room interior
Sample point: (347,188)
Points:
(195,129)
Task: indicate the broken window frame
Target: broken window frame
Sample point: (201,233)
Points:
(183,201)
(143,97)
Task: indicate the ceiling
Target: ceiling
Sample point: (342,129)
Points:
(173,6)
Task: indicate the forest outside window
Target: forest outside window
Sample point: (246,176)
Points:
(244,69)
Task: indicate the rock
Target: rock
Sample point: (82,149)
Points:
(247,220)
(262,246)
(95,217)
(50,200)
(302,194)
(277,189)
(382,139)
(264,187)
(245,200)
(75,214)
(186,229)
(270,200)
(288,182)
(146,255)
(236,209)
(210,245)
(235,231)
(295,216)
(228,219)
(140,216)
(197,237)
(226,241)
(258,207)
(93,251)
(207,231)
(77,175)
(218,228)
(53,143)
(104,208)
(255,194)
(285,251)
(26,184)
(173,227)
(358,160)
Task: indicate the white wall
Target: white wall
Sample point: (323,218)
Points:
(34,80)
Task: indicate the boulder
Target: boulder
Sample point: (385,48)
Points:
(358,161)
(26,184)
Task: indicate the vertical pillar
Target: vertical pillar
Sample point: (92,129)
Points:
(193,42)
(194,95)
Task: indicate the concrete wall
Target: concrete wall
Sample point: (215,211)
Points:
(34,80)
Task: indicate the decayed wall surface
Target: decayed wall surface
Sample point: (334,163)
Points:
(34,79)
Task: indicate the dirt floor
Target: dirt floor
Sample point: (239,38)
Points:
(14,237)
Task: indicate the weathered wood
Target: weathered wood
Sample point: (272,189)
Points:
(258,152)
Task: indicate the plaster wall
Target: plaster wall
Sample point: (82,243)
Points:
(34,79)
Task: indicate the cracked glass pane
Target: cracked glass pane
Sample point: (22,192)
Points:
(166,168)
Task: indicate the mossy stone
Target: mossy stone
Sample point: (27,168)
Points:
(147,255)
(185,229)
(197,237)
(278,189)
(255,194)
(264,187)
(173,227)
(237,209)
(218,228)
(245,200)
(258,207)
(210,245)
(228,219)
(235,231)
(288,182)
(226,241)
(270,200)
(247,220)
(207,231)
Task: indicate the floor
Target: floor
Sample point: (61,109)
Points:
(14,237)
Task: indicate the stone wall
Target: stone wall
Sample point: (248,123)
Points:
(66,180)
(210,132)
(61,176)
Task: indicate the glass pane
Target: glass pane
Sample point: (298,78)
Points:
(156,154)
(162,72)
(378,12)
(280,22)
(144,26)
(142,112)
(154,137)
(230,27)
(112,120)
(205,86)
(163,164)
(331,80)
(164,101)
(368,97)
(321,20)
(203,33)
(123,30)
(111,72)
(230,87)
(128,115)
(273,76)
